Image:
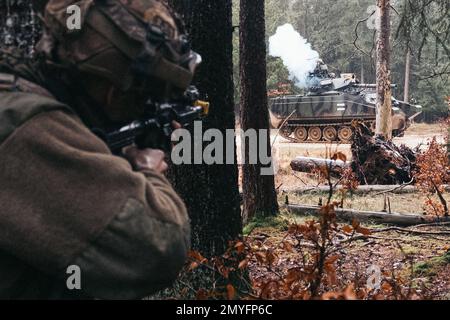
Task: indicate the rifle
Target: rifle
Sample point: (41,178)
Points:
(155,129)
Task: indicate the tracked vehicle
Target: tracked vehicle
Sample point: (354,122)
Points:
(325,112)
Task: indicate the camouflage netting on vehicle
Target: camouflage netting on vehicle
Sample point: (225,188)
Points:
(19,26)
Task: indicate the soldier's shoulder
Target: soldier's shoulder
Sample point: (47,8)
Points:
(17,107)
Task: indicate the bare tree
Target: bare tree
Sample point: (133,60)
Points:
(383,73)
(423,22)
(259,190)
(407,75)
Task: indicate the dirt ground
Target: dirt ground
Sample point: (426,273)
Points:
(284,152)
(424,260)
(421,262)
(407,203)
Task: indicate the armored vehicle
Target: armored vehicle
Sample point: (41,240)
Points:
(326,111)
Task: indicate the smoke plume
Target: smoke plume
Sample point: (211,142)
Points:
(296,53)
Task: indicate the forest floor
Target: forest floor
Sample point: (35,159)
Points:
(423,260)
(408,203)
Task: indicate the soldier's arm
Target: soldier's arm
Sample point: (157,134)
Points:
(68,201)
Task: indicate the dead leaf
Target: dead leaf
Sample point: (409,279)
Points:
(347,229)
(363,231)
(339,156)
(231,292)
(287,246)
(349,293)
(332,259)
(202,294)
(261,256)
(330,296)
(197,256)
(292,276)
(270,257)
(240,247)
(243,264)
(194,265)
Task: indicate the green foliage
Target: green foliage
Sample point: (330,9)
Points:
(266,222)
(276,72)
(429,268)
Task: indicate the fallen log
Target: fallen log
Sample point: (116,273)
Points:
(374,216)
(396,189)
(308,164)
(412,231)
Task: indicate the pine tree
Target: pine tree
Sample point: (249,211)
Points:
(384,102)
(211,192)
(259,190)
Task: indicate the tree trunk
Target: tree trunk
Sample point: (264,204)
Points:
(362,69)
(407,75)
(306,19)
(384,103)
(211,193)
(259,190)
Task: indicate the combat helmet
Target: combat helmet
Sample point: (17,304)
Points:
(123,41)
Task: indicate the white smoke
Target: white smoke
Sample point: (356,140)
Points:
(296,53)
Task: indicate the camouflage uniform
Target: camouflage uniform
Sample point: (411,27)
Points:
(66,200)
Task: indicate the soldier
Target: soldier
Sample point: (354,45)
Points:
(65,199)
(321,70)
